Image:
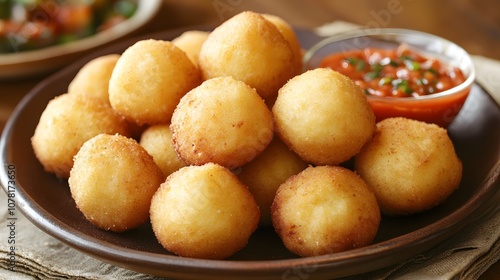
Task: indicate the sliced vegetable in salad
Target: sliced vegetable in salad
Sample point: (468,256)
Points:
(33,24)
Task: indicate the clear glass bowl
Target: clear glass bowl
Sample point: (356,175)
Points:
(440,108)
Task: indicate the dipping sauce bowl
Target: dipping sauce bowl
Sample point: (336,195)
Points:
(404,73)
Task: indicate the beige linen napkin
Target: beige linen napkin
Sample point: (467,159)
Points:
(40,256)
(465,256)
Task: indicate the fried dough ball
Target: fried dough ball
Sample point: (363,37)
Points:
(203,212)
(190,42)
(66,123)
(410,165)
(157,140)
(323,210)
(323,116)
(222,121)
(93,81)
(113,181)
(93,78)
(267,172)
(149,79)
(290,36)
(251,49)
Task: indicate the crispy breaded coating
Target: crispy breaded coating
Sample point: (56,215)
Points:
(411,166)
(323,116)
(222,121)
(66,123)
(323,210)
(203,212)
(113,181)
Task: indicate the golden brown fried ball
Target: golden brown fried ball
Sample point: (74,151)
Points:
(290,36)
(222,121)
(92,80)
(149,79)
(323,116)
(66,123)
(157,140)
(410,165)
(267,172)
(190,42)
(323,210)
(203,212)
(251,49)
(113,181)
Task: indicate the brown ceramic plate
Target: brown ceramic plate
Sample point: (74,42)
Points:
(46,201)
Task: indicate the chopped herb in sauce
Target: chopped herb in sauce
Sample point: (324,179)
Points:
(399,72)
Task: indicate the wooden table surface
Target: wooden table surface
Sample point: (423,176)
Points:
(473,24)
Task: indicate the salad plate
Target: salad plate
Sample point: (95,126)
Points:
(36,62)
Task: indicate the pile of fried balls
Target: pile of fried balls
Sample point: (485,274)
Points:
(214,134)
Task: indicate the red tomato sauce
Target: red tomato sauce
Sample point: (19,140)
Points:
(399,72)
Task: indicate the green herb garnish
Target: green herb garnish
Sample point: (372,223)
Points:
(375,73)
(412,65)
(351,60)
(402,85)
(358,63)
(405,57)
(385,81)
(360,66)
(394,63)
(433,71)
